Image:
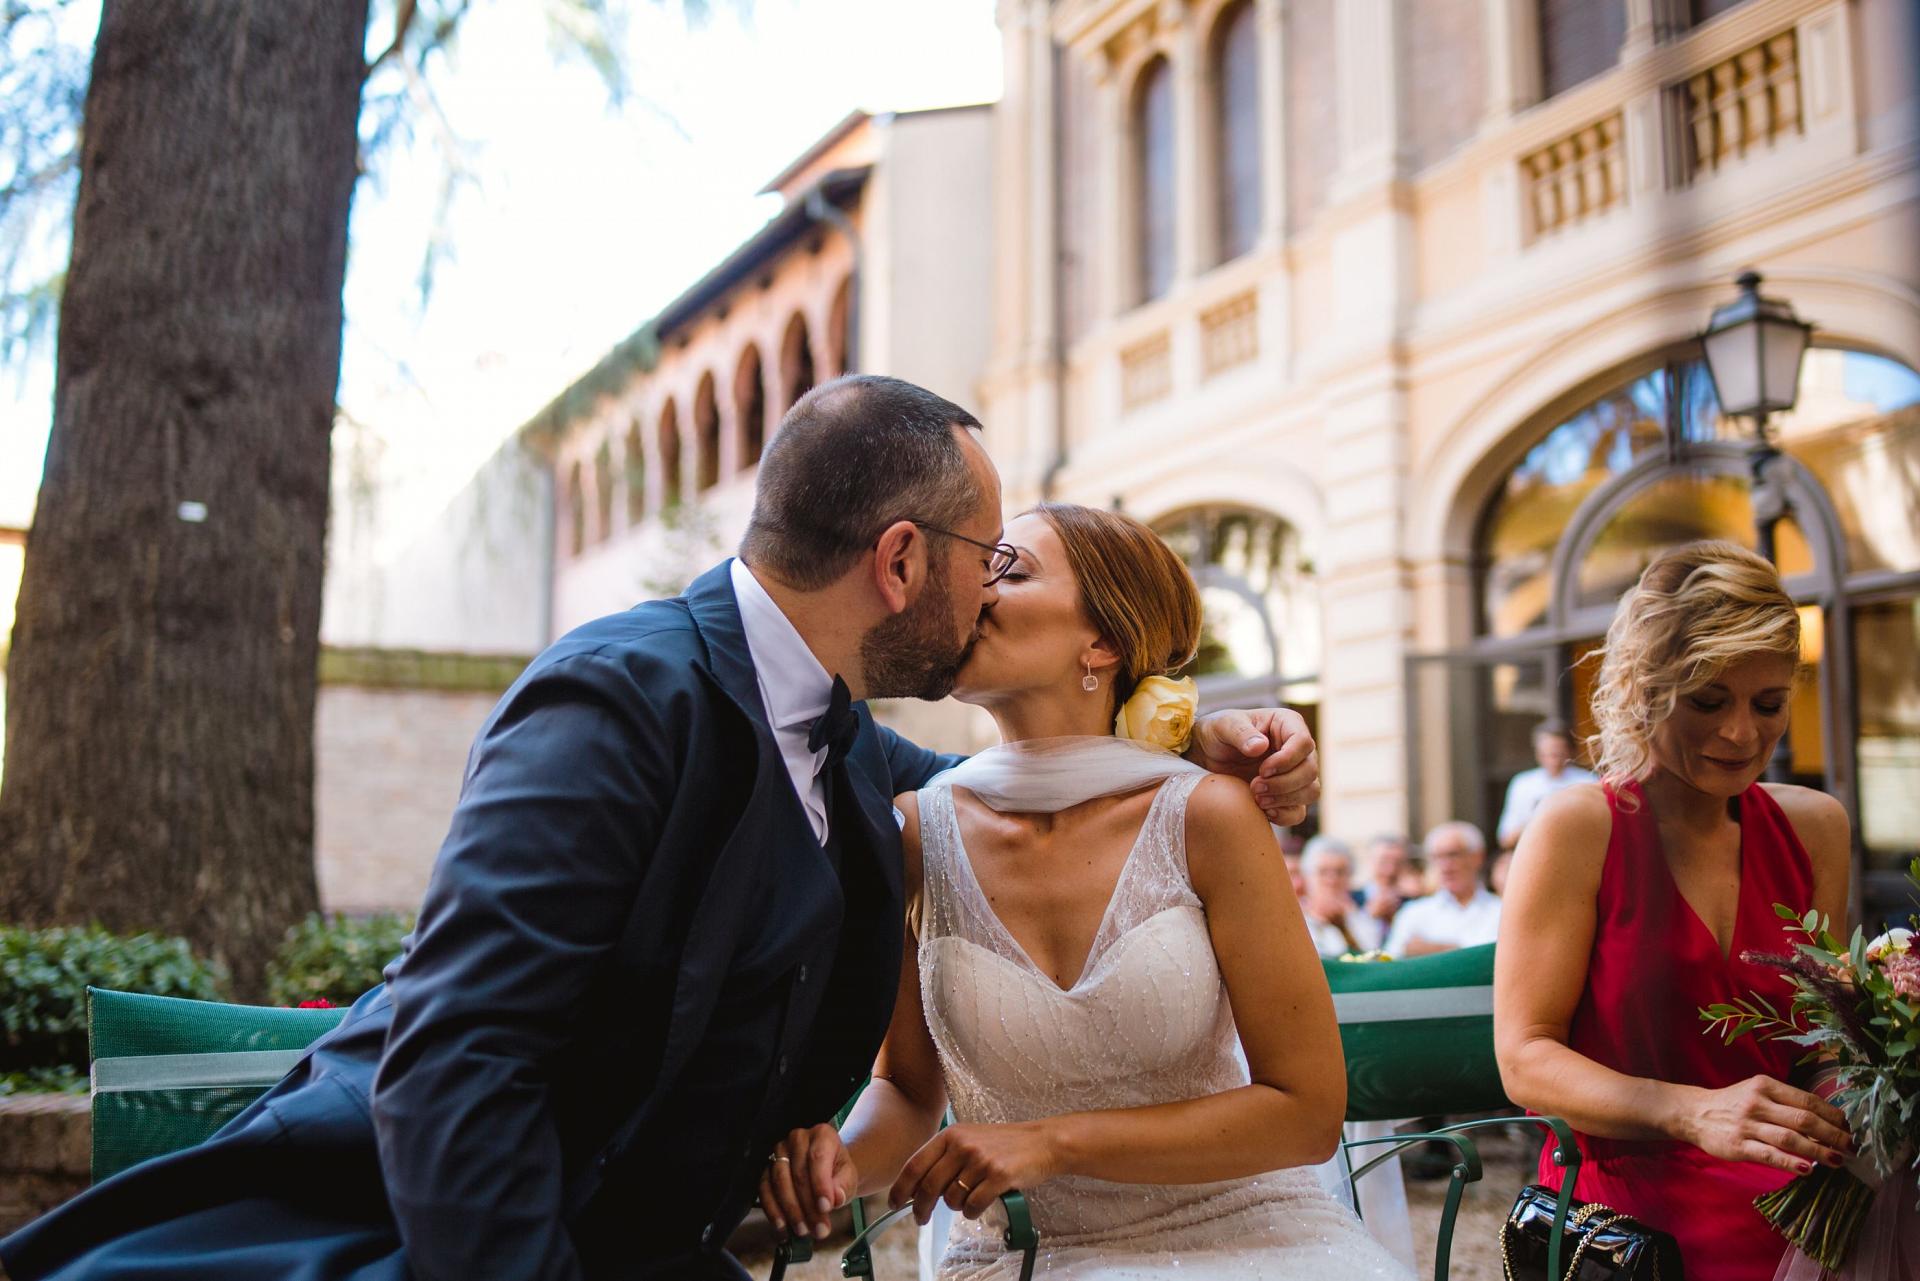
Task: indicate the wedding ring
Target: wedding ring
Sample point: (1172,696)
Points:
(777,1157)
(963,1183)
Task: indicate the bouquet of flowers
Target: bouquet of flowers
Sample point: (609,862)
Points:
(1856,1007)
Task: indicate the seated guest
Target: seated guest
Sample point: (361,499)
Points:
(1386,861)
(1291,848)
(1413,882)
(1637,901)
(1460,912)
(1335,922)
(1554,770)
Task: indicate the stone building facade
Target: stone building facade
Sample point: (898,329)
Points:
(1383,311)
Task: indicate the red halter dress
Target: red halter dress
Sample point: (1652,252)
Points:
(1654,965)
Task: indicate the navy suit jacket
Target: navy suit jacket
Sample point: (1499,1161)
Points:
(627,861)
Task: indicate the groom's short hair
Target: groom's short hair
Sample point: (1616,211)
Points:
(851,457)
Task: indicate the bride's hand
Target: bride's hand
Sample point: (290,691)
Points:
(1271,749)
(809,1175)
(969,1166)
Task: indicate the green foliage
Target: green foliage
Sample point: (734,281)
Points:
(334,959)
(44,976)
(44,1080)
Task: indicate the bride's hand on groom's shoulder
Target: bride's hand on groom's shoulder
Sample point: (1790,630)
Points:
(809,1175)
(1272,749)
(970,1166)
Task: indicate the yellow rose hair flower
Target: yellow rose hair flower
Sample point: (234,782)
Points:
(1160,713)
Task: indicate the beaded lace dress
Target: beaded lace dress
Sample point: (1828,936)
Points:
(1147,1022)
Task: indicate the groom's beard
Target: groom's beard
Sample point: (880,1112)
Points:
(914,654)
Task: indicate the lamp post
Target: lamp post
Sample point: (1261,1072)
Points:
(1753,347)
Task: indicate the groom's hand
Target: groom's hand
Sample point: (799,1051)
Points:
(809,1175)
(1271,749)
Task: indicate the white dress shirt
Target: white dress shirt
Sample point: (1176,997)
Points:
(1329,941)
(1526,791)
(1442,918)
(794,689)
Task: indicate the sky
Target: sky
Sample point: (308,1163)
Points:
(578,222)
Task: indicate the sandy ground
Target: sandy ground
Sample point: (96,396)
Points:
(1508,1158)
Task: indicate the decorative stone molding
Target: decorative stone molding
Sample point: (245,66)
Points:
(1743,103)
(1576,177)
(1146,372)
(1229,334)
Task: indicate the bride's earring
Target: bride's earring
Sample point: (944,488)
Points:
(1089,682)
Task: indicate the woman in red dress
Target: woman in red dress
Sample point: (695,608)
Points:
(1631,903)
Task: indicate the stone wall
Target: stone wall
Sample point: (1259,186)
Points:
(45,1154)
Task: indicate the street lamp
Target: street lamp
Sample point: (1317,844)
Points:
(1753,347)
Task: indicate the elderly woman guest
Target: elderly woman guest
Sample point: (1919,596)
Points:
(1335,922)
(1633,901)
(1386,860)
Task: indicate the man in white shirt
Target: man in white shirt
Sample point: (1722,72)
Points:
(1462,913)
(1553,749)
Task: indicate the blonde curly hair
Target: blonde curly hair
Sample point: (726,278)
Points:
(1696,611)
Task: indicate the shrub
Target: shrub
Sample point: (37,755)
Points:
(334,959)
(44,976)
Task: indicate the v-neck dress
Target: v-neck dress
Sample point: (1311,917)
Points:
(1147,1022)
(1655,964)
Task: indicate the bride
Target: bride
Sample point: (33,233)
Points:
(1099,926)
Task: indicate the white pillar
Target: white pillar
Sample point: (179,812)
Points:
(1194,156)
(1513,57)
(1271,25)
(1369,94)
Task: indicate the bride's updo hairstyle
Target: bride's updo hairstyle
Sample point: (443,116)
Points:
(1134,590)
(1696,611)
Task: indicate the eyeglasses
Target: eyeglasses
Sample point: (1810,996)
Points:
(1002,556)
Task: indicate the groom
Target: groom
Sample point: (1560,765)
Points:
(665,927)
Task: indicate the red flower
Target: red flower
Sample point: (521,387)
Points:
(317,1003)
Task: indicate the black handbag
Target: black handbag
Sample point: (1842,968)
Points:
(1598,1242)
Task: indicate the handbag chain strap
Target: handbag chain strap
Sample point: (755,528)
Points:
(1588,1220)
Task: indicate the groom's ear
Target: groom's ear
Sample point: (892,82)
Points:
(899,564)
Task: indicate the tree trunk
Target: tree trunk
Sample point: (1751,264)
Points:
(159,769)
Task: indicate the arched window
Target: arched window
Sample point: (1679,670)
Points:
(1652,463)
(706,437)
(576,510)
(602,491)
(750,402)
(1261,634)
(839,317)
(1236,109)
(1153,178)
(669,456)
(796,360)
(635,459)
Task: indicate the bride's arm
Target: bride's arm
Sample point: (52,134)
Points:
(897,1112)
(1290,1115)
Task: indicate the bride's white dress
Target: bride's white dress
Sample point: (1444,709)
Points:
(1147,1022)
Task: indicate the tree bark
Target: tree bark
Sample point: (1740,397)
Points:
(159,769)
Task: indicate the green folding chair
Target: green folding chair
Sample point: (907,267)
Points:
(168,1072)
(1418,1039)
(857,1261)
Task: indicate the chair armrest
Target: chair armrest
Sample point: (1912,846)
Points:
(1020,1235)
(1566,1155)
(1467,1169)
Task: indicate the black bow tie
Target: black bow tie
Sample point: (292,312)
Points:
(837,726)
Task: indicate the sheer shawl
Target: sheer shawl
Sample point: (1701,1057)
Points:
(1044,775)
